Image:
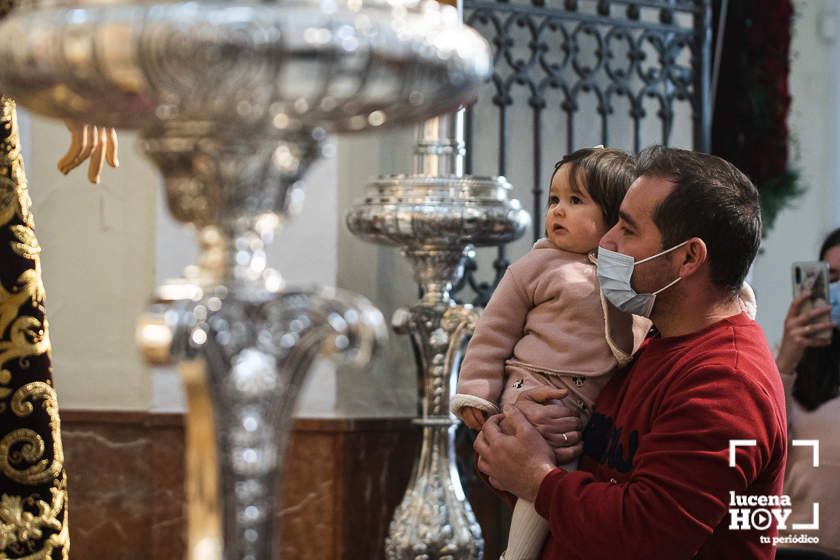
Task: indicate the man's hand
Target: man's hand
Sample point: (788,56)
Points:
(517,459)
(473,417)
(88,141)
(558,424)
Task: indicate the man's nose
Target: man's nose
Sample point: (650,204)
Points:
(608,240)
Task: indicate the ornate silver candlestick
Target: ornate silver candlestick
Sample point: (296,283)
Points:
(234,100)
(433,216)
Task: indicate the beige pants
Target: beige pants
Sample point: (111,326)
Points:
(582,390)
(528,530)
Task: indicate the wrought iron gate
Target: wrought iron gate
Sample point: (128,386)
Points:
(578,73)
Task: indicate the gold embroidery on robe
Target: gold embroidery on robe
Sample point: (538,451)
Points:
(22,451)
(33,484)
(14,195)
(24,520)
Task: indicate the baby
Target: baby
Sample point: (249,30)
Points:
(547,323)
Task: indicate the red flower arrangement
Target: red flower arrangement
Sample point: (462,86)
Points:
(749,127)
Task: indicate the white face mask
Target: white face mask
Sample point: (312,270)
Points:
(614,273)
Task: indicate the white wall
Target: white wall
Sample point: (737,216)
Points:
(815,128)
(305,253)
(98,269)
(388,386)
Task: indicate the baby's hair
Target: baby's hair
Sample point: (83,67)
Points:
(606,176)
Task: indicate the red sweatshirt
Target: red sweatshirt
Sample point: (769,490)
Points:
(654,478)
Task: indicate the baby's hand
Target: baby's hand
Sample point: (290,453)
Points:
(473,417)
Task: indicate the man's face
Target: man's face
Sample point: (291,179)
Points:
(636,234)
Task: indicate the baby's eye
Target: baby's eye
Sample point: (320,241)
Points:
(553,200)
(575,200)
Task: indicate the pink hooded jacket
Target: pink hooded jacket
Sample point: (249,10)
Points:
(546,315)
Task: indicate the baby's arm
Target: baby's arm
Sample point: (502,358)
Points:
(483,370)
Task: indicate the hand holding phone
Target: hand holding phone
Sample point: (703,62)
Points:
(812,276)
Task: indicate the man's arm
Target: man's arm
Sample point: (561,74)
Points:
(681,480)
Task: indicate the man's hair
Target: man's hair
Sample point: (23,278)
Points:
(711,200)
(606,174)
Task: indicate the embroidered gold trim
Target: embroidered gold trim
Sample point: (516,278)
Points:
(14,192)
(25,447)
(27,245)
(27,287)
(19,526)
(27,337)
(33,523)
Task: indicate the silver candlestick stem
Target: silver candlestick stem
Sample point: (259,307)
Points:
(434,215)
(234,100)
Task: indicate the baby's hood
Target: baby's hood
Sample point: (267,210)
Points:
(544,243)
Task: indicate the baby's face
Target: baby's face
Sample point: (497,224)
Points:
(573,222)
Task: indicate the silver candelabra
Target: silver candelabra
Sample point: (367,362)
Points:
(234,100)
(434,215)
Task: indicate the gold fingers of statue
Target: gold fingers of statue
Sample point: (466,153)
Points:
(98,143)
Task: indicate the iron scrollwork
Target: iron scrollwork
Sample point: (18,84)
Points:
(568,60)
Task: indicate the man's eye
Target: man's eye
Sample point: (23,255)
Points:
(626,230)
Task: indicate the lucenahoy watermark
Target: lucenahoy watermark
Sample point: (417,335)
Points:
(758,512)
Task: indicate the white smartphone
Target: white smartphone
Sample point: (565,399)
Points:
(812,276)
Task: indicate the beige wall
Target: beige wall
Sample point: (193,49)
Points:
(304,251)
(98,267)
(388,386)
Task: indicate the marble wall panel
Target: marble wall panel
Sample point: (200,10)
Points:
(126,473)
(343,479)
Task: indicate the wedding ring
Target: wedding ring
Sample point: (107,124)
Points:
(565,437)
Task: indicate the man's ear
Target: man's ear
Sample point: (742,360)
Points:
(693,255)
